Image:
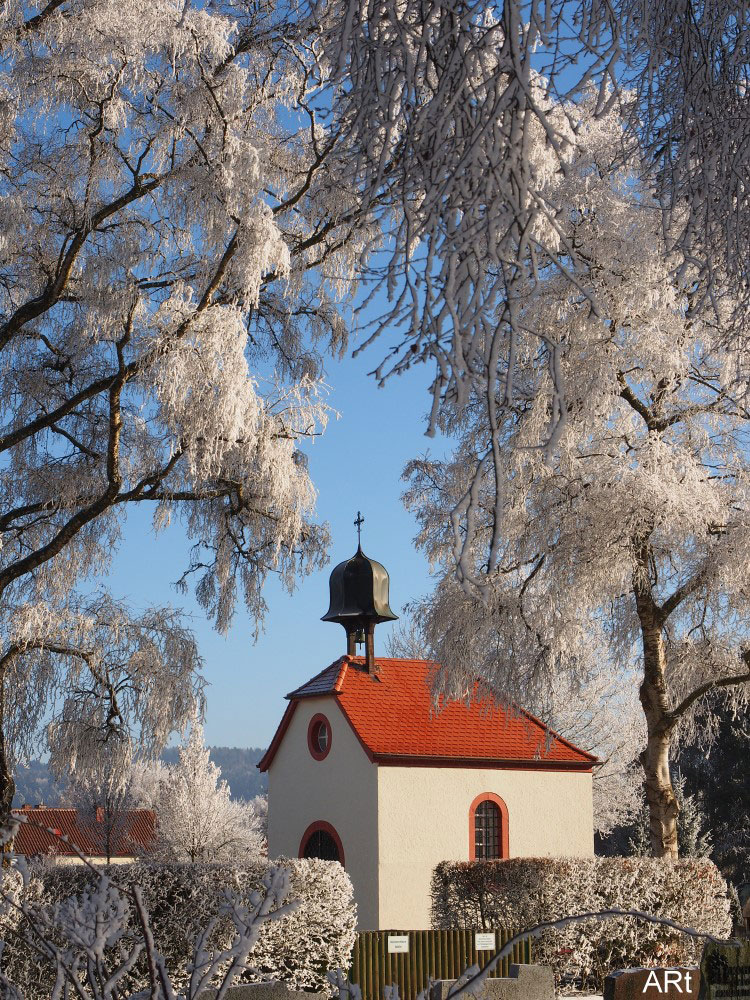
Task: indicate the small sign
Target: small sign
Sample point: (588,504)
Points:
(484,942)
(398,943)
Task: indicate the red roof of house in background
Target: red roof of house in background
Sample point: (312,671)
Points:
(392,715)
(138,831)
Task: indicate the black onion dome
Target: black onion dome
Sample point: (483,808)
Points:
(359,593)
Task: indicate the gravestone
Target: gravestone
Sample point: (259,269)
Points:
(725,971)
(525,982)
(653,984)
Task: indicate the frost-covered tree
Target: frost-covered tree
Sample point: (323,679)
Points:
(195,818)
(629,545)
(406,641)
(259,805)
(721,778)
(145,782)
(693,836)
(454,109)
(603,716)
(175,235)
(88,680)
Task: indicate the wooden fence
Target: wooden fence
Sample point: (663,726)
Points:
(431,954)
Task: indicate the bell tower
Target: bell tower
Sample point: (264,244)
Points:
(359,600)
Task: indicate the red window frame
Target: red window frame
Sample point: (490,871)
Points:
(503,832)
(312,734)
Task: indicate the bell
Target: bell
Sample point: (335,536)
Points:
(359,601)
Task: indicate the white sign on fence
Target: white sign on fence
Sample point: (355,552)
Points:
(484,942)
(398,943)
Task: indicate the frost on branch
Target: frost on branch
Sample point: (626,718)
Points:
(604,717)
(176,252)
(463,117)
(177,246)
(627,547)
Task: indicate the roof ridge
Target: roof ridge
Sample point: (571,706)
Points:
(341,676)
(392,659)
(315,677)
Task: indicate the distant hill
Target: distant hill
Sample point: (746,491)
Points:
(35,784)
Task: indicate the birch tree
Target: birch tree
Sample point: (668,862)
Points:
(167,193)
(463,114)
(91,683)
(629,545)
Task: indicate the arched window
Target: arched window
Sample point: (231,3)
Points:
(488,828)
(320,840)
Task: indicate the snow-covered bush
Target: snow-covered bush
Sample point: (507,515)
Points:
(183,899)
(521,892)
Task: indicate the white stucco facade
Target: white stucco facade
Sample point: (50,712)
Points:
(340,790)
(423,818)
(396,823)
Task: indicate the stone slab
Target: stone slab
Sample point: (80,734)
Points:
(526,982)
(677,982)
(725,971)
(262,991)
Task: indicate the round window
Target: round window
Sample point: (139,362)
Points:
(319,736)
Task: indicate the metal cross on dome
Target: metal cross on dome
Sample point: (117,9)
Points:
(358,523)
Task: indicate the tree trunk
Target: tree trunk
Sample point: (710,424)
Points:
(7,784)
(662,804)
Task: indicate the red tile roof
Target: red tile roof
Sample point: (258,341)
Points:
(137,831)
(392,714)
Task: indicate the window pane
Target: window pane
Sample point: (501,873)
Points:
(321,844)
(486,831)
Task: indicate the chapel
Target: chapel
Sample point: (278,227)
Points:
(364,770)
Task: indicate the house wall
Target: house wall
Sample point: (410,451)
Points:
(423,818)
(340,790)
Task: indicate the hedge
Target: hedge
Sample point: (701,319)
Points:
(521,892)
(182,898)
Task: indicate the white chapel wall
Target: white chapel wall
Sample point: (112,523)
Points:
(423,818)
(341,790)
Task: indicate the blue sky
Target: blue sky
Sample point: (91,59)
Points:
(355,465)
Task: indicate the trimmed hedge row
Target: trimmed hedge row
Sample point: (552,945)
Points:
(521,892)
(181,899)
